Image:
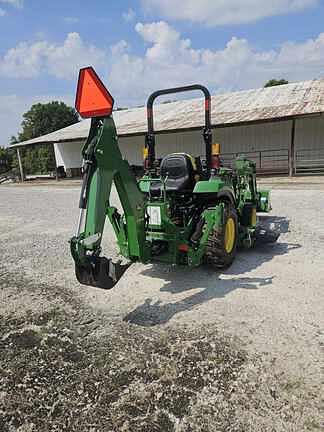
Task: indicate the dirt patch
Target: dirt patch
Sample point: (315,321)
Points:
(27,338)
(76,372)
(59,378)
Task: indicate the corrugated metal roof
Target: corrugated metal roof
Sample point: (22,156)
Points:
(296,99)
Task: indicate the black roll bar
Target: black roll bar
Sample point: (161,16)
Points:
(207,134)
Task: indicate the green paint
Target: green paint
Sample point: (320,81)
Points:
(210,186)
(173,221)
(264,204)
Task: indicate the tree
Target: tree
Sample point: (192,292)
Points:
(275,82)
(8,161)
(42,119)
(4,160)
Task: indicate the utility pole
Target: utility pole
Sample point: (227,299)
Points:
(292,150)
(20,166)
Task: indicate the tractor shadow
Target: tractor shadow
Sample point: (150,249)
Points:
(211,285)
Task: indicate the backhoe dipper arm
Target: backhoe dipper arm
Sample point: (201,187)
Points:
(103,164)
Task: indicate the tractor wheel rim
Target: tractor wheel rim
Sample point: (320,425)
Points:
(229,235)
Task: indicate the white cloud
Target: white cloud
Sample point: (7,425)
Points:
(15,3)
(65,61)
(2,12)
(224,12)
(129,15)
(24,61)
(170,60)
(12,108)
(62,61)
(119,48)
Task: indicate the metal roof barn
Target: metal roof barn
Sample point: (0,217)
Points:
(258,105)
(281,128)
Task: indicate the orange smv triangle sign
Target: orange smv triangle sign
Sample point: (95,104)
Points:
(92,98)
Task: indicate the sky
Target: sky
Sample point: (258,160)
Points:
(143,45)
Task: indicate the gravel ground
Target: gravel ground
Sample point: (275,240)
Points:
(259,325)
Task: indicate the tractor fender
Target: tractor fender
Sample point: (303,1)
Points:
(226,195)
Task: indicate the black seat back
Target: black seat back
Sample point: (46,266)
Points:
(179,171)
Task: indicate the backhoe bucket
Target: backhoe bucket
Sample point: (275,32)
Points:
(100,272)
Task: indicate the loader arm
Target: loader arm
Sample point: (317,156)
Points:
(103,165)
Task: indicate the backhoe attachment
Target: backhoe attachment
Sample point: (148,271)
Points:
(103,165)
(90,268)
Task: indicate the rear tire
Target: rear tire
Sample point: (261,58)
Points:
(222,242)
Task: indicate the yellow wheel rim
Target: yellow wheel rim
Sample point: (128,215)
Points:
(229,235)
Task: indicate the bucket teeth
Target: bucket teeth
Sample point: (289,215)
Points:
(100,272)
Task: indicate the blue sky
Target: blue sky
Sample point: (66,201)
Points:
(139,46)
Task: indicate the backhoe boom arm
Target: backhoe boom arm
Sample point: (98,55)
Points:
(103,165)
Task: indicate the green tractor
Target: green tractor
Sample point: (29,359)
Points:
(184,210)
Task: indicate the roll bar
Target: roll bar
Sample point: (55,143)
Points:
(150,136)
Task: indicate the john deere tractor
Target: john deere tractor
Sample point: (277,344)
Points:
(184,210)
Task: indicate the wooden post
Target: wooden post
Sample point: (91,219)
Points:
(292,150)
(20,166)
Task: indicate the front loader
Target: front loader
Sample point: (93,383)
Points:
(184,210)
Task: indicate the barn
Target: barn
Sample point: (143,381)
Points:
(281,128)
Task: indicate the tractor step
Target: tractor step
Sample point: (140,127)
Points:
(100,272)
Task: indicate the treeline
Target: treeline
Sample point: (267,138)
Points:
(8,161)
(40,120)
(36,159)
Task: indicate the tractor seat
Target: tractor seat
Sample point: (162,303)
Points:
(179,170)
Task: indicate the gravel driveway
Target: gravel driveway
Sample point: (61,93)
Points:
(269,304)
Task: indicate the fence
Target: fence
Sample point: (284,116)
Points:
(267,161)
(309,161)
